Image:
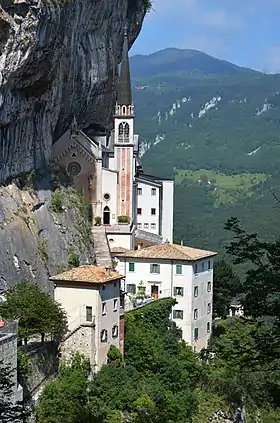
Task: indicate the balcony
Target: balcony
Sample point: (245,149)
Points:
(134,302)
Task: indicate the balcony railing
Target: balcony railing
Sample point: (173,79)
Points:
(134,302)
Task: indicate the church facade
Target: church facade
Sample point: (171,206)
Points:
(135,208)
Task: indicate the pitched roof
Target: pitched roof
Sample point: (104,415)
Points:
(89,274)
(169,252)
(118,250)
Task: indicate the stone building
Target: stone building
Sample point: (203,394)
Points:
(134,208)
(90,295)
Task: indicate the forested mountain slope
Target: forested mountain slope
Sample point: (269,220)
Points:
(215,127)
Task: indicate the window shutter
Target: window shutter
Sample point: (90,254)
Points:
(151,268)
(174,291)
(182,291)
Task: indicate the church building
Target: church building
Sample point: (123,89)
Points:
(136,209)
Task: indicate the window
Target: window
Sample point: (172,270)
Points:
(115,305)
(208,327)
(209,308)
(153,212)
(202,266)
(139,225)
(209,264)
(131,288)
(209,286)
(104,335)
(104,308)
(153,226)
(195,334)
(154,268)
(178,291)
(139,211)
(146,225)
(153,191)
(196,291)
(178,269)
(115,331)
(131,267)
(178,314)
(195,268)
(139,191)
(89,314)
(195,314)
(107,196)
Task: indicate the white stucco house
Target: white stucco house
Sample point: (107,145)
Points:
(90,295)
(171,270)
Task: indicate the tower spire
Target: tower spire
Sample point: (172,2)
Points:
(124,97)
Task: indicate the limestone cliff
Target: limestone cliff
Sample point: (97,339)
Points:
(58,60)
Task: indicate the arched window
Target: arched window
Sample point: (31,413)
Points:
(106,216)
(121,129)
(126,130)
(124,110)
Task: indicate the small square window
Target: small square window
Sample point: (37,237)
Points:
(209,264)
(195,334)
(178,314)
(139,225)
(139,191)
(139,211)
(115,304)
(195,268)
(153,191)
(153,226)
(153,212)
(209,286)
(202,266)
(209,308)
(115,331)
(104,335)
(104,308)
(131,267)
(208,327)
(178,291)
(89,314)
(196,291)
(195,314)
(178,269)
(146,225)
(154,268)
(131,288)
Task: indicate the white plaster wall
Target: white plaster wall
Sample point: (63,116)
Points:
(130,122)
(201,302)
(167,280)
(146,202)
(109,186)
(112,163)
(120,240)
(74,299)
(107,294)
(167,210)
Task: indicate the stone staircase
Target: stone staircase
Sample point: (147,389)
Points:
(101,247)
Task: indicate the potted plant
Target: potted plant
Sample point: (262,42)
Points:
(97,220)
(123,220)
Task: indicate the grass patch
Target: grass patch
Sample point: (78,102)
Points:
(227,189)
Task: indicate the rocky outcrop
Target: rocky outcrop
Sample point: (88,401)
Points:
(42,232)
(58,60)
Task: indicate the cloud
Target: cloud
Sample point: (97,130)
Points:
(272,60)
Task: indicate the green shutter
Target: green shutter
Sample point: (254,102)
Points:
(182,291)
(131,267)
(195,333)
(174,291)
(151,268)
(178,269)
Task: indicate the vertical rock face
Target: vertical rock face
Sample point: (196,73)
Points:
(58,60)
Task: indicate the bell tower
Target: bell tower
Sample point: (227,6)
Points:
(124,137)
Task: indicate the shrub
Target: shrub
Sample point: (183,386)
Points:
(57,201)
(123,219)
(73,258)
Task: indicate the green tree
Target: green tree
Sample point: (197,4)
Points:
(37,312)
(10,411)
(226,285)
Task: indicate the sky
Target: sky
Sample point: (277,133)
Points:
(245,32)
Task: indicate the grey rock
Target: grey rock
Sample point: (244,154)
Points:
(58,60)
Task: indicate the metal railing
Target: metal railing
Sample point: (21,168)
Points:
(137,301)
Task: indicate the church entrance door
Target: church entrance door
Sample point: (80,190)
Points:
(106,216)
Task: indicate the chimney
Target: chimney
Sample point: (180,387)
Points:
(107,271)
(182,242)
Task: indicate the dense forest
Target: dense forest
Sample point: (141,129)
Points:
(214,128)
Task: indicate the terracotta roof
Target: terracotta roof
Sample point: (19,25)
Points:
(87,273)
(169,252)
(118,250)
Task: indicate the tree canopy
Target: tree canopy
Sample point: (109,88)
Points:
(226,285)
(37,312)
